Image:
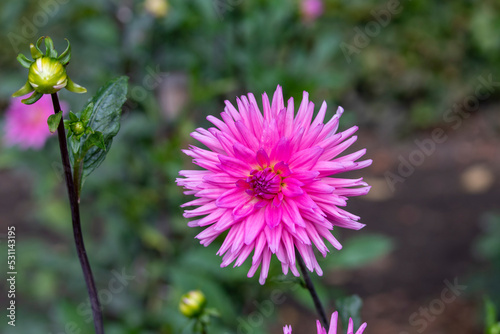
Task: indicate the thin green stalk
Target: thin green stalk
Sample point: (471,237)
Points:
(77,229)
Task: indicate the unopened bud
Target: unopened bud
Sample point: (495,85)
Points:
(47,75)
(77,128)
(192,304)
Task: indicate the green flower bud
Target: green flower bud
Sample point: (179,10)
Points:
(47,72)
(192,304)
(47,75)
(78,128)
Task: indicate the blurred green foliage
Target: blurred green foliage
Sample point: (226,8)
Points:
(133,223)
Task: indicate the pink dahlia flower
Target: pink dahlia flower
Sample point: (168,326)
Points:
(333,326)
(267,182)
(26,125)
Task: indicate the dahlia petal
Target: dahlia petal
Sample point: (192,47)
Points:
(245,252)
(207,233)
(277,104)
(291,214)
(244,208)
(211,218)
(353,156)
(266,107)
(301,235)
(281,152)
(233,130)
(333,152)
(350,328)
(218,123)
(289,246)
(210,165)
(202,210)
(244,153)
(231,110)
(254,225)
(233,167)
(305,202)
(263,158)
(273,215)
(226,221)
(307,158)
(198,201)
(332,199)
(231,198)
(333,323)
(207,139)
(319,187)
(211,192)
(320,117)
(228,258)
(288,125)
(273,236)
(226,142)
(305,176)
(327,234)
(266,260)
(326,168)
(292,187)
(217,179)
(361,328)
(247,136)
(353,192)
(253,269)
(317,241)
(319,328)
(243,109)
(311,137)
(301,113)
(238,238)
(256,118)
(282,169)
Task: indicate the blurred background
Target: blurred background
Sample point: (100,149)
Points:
(420,79)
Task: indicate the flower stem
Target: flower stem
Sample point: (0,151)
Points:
(77,229)
(312,291)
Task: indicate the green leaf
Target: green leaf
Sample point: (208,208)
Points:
(97,139)
(25,62)
(73,117)
(53,121)
(86,113)
(359,251)
(492,326)
(74,143)
(350,307)
(104,117)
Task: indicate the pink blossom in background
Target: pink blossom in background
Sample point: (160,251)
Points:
(266,180)
(333,326)
(26,125)
(311,9)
